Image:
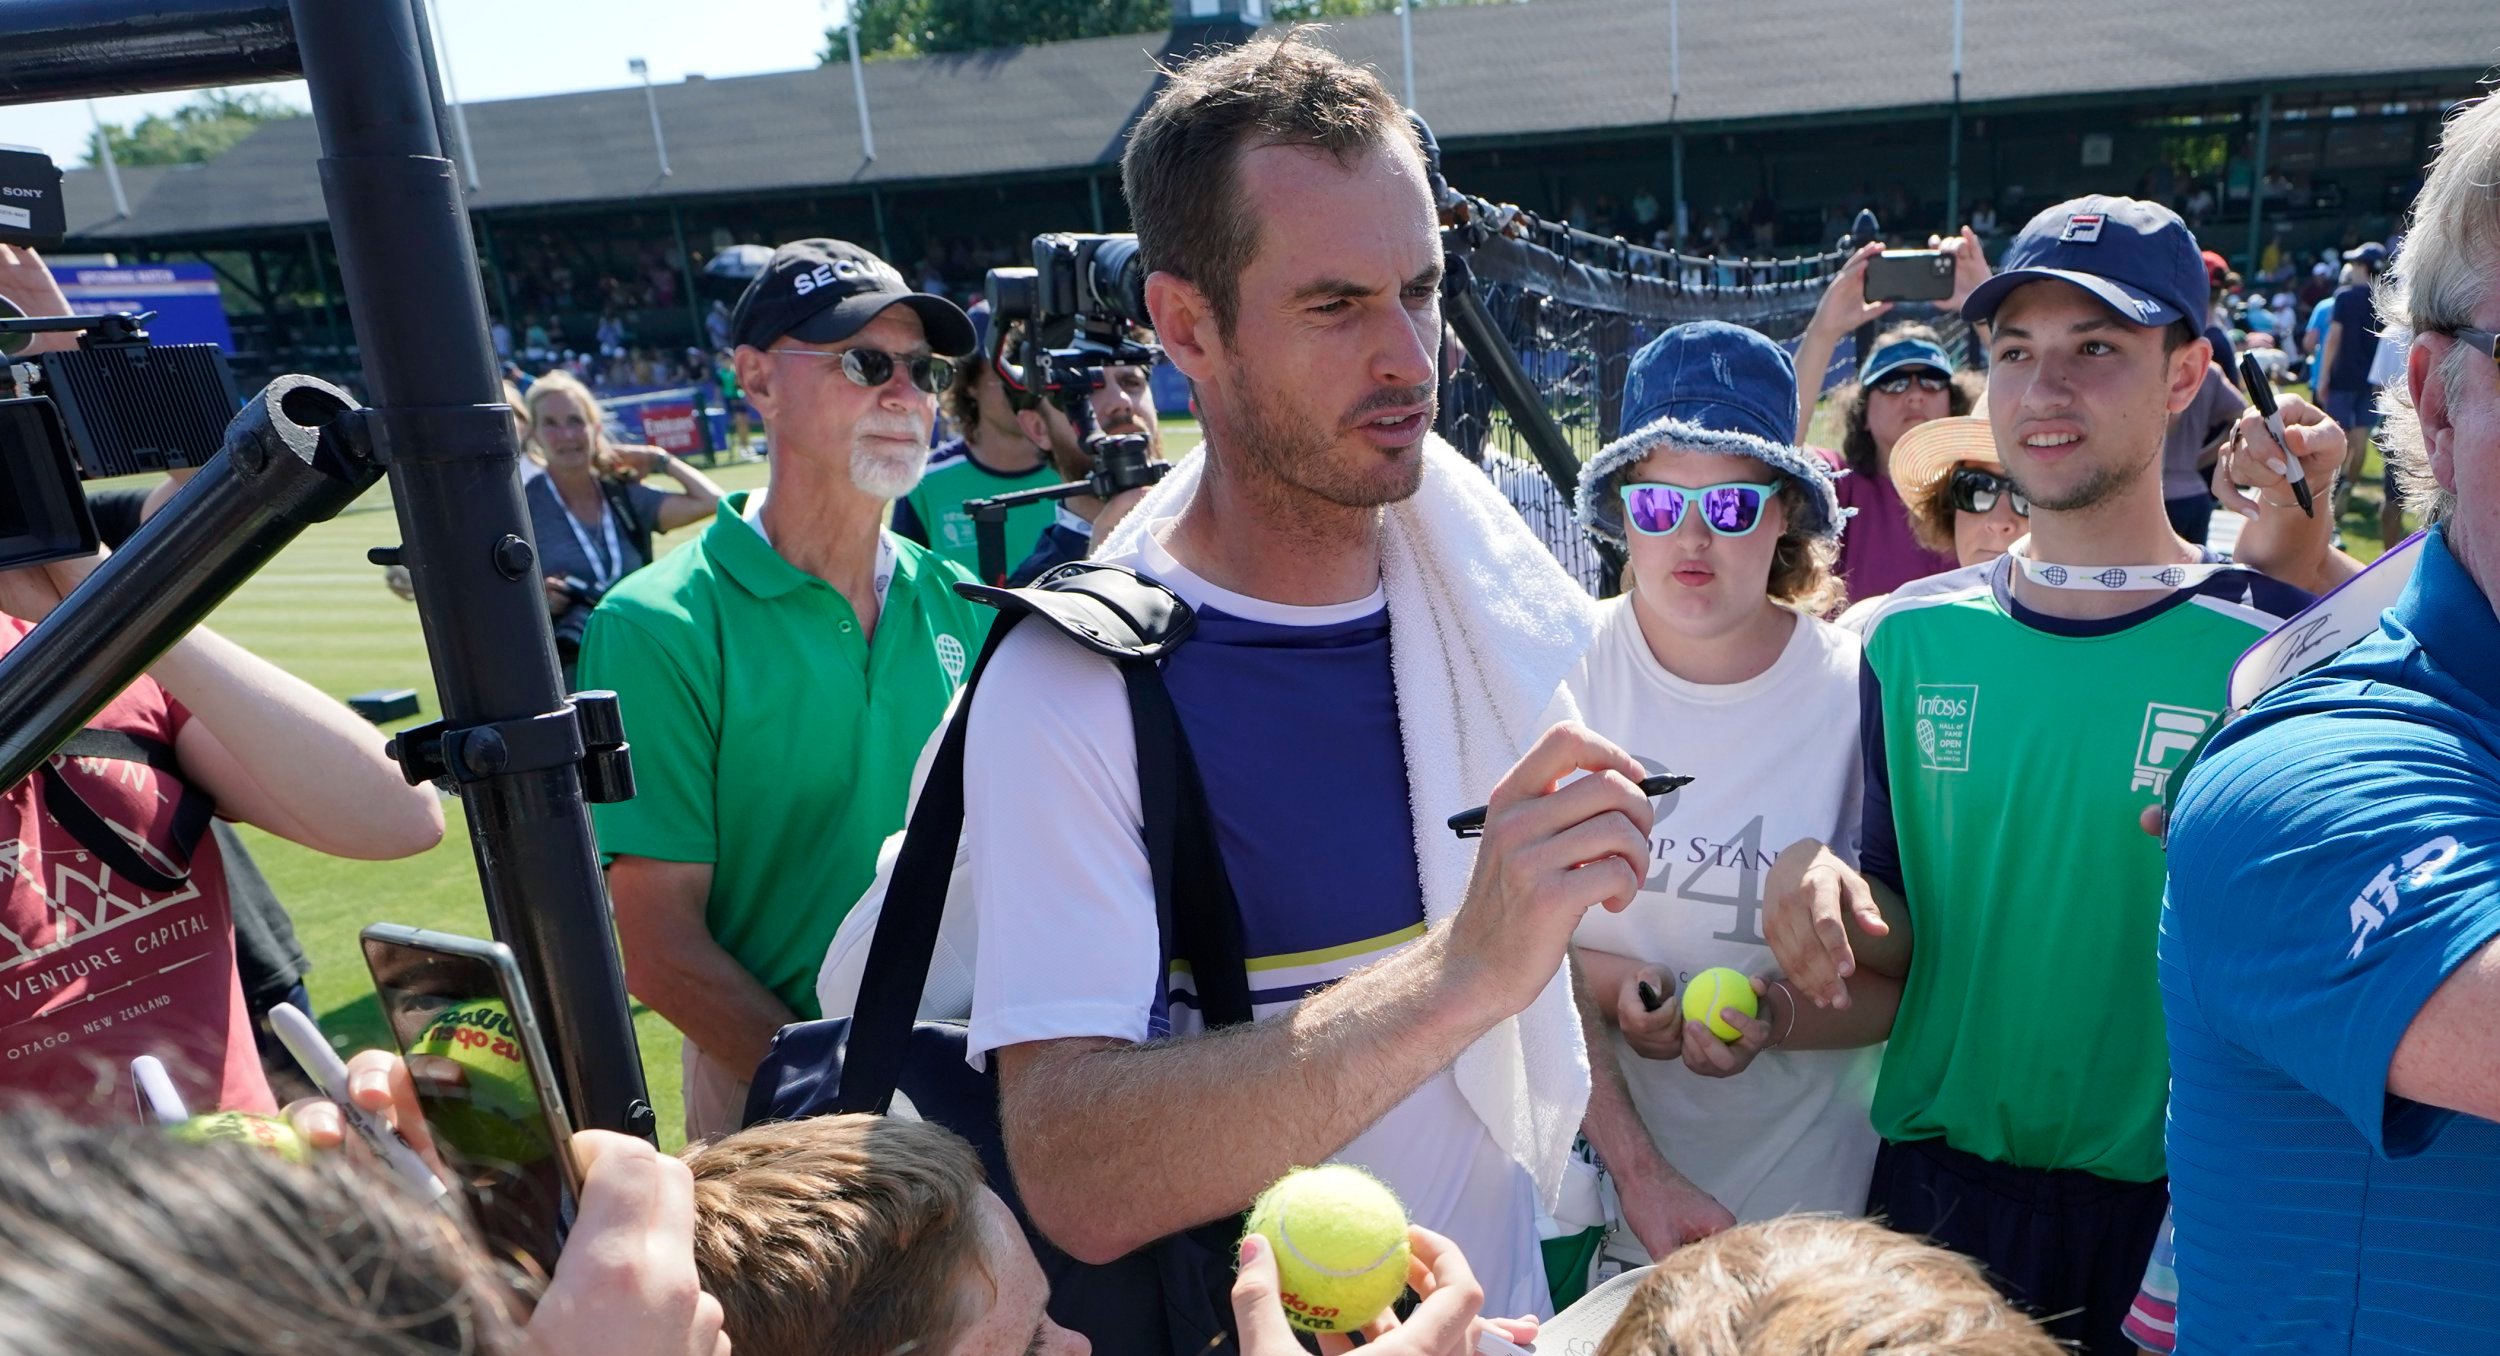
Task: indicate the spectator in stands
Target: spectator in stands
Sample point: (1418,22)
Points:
(781,672)
(1805,1286)
(1124,406)
(2219,280)
(119,1240)
(109,882)
(1717,665)
(1281,202)
(2327,956)
(2188,452)
(1905,381)
(1959,498)
(2343,389)
(591,512)
(989,454)
(2014,1132)
(716,325)
(865,1236)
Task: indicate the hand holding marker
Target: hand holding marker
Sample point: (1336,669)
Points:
(2261,394)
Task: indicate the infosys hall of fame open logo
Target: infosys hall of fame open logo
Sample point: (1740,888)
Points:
(1943,728)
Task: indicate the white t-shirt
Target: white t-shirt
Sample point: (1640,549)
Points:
(1774,759)
(1067,946)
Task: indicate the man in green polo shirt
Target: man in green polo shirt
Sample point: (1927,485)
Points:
(2019,719)
(779,675)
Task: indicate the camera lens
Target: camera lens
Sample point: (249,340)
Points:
(1118,279)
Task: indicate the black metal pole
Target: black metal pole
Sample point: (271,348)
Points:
(86,49)
(269,483)
(1493,357)
(411,278)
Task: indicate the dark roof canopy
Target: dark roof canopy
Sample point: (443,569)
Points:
(1537,71)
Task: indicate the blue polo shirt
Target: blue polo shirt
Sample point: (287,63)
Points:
(2334,856)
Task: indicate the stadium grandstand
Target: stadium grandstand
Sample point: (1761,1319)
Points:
(2281,128)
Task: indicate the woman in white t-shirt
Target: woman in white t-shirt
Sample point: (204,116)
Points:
(1717,666)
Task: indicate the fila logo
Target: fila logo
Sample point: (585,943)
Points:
(2377,901)
(2171,734)
(2083,228)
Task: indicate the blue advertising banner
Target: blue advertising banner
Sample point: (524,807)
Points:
(184,297)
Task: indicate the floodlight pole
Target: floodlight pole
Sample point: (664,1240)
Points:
(1953,154)
(859,81)
(651,100)
(112,171)
(1675,100)
(1406,45)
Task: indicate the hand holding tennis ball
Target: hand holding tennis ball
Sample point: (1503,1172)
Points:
(1713,990)
(1339,1239)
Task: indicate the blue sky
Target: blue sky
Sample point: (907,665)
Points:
(502,49)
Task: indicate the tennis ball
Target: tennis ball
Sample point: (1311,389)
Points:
(1715,988)
(245,1128)
(1340,1241)
(487,1108)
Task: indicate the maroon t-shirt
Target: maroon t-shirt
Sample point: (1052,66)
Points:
(1878,553)
(95,970)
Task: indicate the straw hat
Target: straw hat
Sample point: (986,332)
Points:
(1924,456)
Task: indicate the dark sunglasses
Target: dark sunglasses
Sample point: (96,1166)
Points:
(1731,510)
(2481,341)
(1930,382)
(1978,491)
(874,367)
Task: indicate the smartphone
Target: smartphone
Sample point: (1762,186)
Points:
(1909,275)
(460,1015)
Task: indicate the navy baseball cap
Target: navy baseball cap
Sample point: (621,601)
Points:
(2374,254)
(822,291)
(2136,256)
(1891,357)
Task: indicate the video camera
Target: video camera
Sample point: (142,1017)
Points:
(1072,314)
(116,405)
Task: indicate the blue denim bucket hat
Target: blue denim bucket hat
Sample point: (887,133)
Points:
(1709,387)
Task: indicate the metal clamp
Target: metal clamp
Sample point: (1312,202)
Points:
(588,732)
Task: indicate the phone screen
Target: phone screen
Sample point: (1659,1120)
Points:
(483,1080)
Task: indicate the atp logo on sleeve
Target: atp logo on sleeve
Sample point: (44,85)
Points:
(2378,900)
(2171,734)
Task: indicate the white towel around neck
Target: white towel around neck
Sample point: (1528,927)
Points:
(1483,625)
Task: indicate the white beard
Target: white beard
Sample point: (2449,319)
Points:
(886,477)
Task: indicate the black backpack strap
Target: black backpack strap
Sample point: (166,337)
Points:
(1135,622)
(192,812)
(621,503)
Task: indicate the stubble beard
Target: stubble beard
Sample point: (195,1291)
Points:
(1289,451)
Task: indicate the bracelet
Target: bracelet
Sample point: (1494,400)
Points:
(1791,995)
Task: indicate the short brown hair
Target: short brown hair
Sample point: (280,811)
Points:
(1812,1285)
(1857,441)
(1181,167)
(838,1235)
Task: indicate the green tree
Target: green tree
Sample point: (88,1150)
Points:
(900,28)
(208,126)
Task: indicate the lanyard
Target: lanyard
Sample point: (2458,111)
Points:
(2114,578)
(879,581)
(614,568)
